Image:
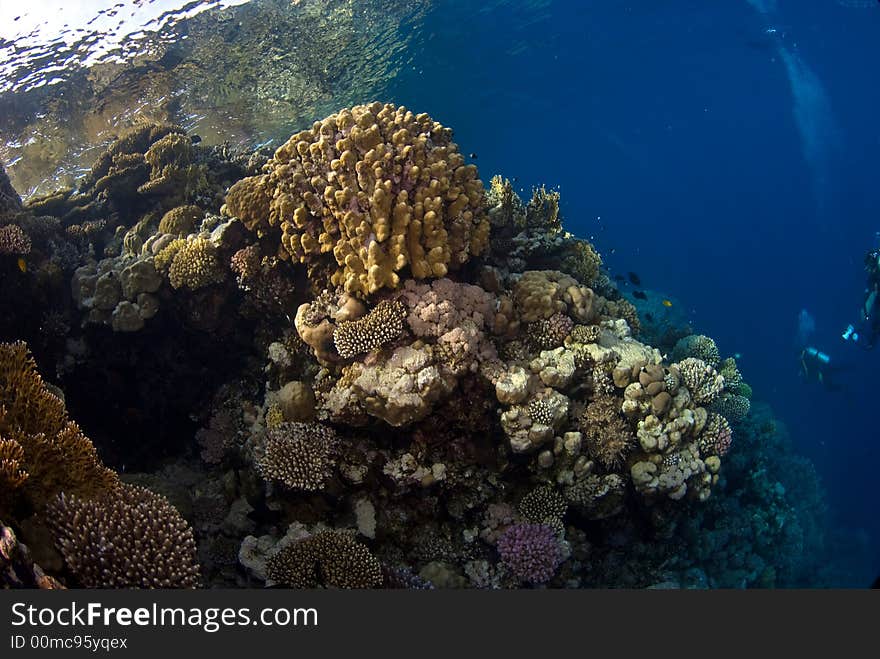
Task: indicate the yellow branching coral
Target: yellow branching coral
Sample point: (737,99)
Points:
(12,475)
(377,186)
(51,449)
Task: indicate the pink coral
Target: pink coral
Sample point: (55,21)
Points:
(531,551)
(437,308)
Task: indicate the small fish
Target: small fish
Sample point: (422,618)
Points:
(613,250)
(667,303)
(634,278)
(474,156)
(22,265)
(639,295)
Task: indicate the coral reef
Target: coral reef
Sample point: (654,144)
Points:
(343,381)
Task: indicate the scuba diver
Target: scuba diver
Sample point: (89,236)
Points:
(869,314)
(816,366)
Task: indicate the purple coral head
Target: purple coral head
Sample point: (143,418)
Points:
(531,551)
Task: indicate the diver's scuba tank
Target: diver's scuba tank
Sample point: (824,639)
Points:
(818,355)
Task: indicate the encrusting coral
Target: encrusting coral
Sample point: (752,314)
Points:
(379,187)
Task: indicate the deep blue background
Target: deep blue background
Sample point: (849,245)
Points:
(677,124)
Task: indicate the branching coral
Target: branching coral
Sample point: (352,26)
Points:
(544,505)
(13,240)
(52,450)
(382,325)
(195,264)
(300,455)
(379,187)
(330,558)
(716,437)
(132,539)
(704,383)
(531,551)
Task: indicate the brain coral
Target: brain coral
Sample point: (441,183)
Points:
(132,539)
(379,187)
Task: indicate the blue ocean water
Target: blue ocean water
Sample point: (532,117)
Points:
(726,152)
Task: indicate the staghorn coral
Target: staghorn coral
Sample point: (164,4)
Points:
(132,539)
(52,450)
(300,455)
(531,551)
(382,325)
(12,474)
(698,346)
(333,559)
(376,185)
